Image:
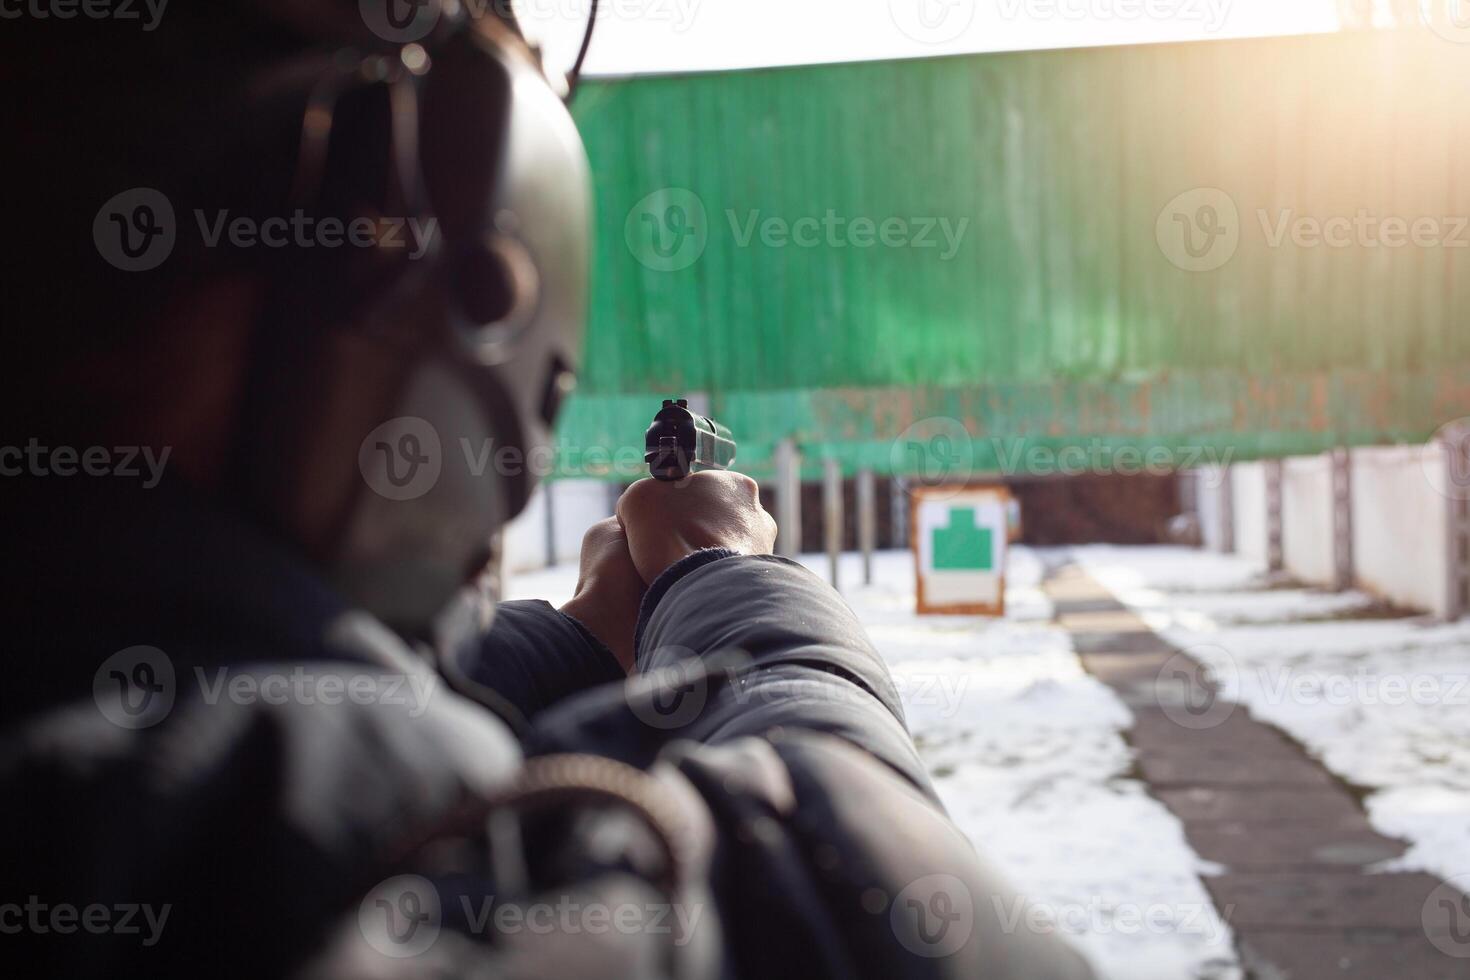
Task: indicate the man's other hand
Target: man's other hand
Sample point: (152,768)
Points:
(609,590)
(712,509)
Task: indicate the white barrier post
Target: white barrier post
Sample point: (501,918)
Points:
(867,506)
(788,499)
(1227,509)
(1457,492)
(1342,518)
(1275,556)
(832,513)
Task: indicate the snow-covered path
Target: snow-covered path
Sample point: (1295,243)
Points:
(1382,703)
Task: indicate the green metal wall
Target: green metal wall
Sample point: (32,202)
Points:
(1059,317)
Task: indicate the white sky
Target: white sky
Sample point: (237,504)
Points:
(651,36)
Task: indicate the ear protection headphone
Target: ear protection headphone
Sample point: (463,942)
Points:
(479,334)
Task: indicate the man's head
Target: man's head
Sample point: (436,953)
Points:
(340,273)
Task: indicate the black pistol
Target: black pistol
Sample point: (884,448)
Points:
(679,443)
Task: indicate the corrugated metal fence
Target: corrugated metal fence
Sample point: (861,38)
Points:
(1254,248)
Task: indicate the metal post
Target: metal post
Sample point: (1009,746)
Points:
(1189,491)
(832,513)
(550,524)
(788,499)
(898,510)
(1456,442)
(1227,509)
(1342,518)
(867,507)
(1275,557)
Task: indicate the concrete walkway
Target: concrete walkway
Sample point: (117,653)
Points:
(1294,841)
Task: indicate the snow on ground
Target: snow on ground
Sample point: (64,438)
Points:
(1027,753)
(1381,702)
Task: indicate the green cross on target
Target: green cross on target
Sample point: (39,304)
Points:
(963,547)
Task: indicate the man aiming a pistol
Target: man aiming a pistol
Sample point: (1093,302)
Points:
(271,699)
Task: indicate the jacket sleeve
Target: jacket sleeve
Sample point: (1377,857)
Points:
(731,646)
(532,657)
(759,683)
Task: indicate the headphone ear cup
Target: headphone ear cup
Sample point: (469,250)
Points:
(497,289)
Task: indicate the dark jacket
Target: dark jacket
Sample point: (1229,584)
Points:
(262,781)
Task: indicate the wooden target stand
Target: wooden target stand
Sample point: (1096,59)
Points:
(959,537)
